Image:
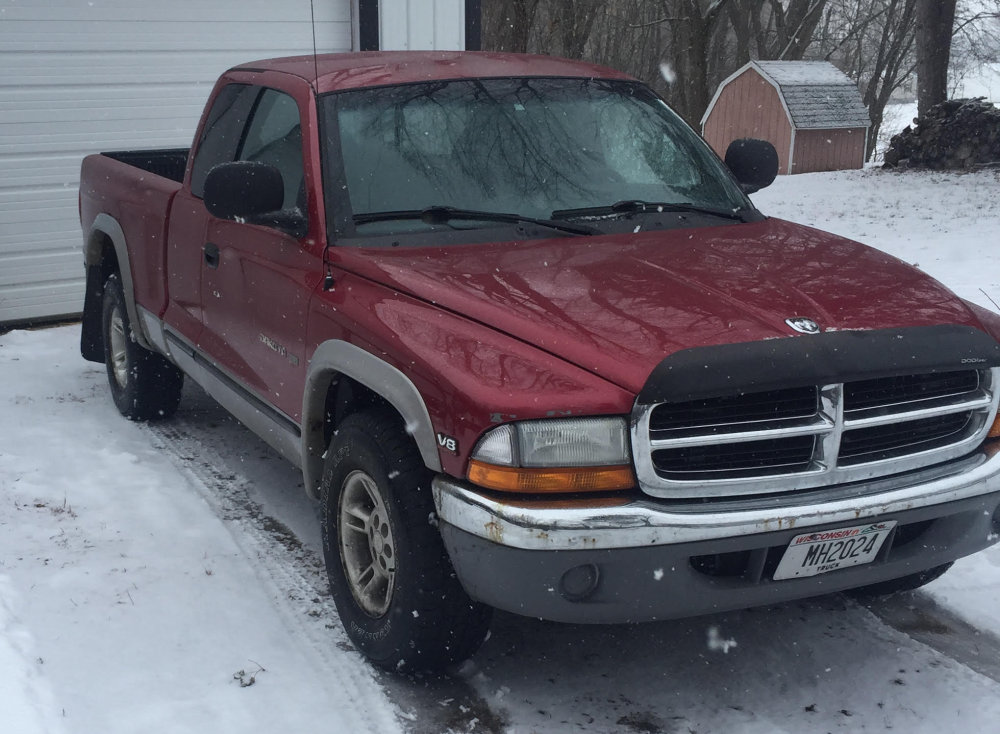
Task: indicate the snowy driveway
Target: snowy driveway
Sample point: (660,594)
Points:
(166,578)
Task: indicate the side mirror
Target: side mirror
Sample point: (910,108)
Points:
(754,163)
(254,193)
(243,190)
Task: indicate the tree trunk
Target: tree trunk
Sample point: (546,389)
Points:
(801,19)
(692,26)
(507,24)
(935,21)
(573,22)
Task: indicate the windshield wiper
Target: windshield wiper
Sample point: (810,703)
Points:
(634,206)
(446,214)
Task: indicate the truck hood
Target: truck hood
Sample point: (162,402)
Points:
(618,305)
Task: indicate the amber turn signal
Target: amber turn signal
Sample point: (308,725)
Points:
(995,428)
(569,479)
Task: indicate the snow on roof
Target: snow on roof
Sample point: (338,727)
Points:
(817,94)
(803,73)
(825,106)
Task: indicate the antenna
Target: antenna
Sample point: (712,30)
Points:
(312,17)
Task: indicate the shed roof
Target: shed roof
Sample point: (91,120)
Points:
(825,106)
(803,73)
(816,94)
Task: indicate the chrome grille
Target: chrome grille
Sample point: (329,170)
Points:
(887,442)
(891,391)
(746,458)
(719,414)
(811,436)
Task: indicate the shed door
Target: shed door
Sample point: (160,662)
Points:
(82,76)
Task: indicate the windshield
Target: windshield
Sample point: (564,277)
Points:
(536,147)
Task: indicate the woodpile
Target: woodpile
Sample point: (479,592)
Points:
(956,134)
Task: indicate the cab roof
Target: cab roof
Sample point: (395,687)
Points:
(336,72)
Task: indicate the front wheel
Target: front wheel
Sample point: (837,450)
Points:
(144,385)
(397,594)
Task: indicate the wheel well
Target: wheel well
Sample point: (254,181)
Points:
(343,379)
(106,263)
(98,272)
(109,259)
(344,397)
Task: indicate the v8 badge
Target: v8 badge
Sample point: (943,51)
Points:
(447,443)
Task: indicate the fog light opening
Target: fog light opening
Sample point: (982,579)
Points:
(580,582)
(995,530)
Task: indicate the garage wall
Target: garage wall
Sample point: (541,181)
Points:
(422,25)
(80,76)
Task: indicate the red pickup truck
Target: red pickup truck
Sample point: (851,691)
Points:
(534,348)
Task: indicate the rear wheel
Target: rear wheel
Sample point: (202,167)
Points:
(144,385)
(397,594)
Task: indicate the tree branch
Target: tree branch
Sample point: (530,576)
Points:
(793,38)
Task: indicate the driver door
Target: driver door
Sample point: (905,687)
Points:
(256,280)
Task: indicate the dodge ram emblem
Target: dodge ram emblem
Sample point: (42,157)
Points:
(804,326)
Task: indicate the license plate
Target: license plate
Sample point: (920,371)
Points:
(827,550)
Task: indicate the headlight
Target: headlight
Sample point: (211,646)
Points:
(563,455)
(564,442)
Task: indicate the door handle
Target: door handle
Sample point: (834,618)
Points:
(211,255)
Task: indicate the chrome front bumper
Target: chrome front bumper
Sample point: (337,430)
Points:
(645,560)
(647,522)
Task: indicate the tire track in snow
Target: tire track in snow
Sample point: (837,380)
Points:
(919,617)
(437,703)
(281,560)
(424,704)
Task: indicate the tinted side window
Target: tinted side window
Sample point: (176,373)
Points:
(275,137)
(223,131)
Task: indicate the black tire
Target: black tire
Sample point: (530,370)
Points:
(144,385)
(410,612)
(905,583)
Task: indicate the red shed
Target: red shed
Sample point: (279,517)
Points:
(810,110)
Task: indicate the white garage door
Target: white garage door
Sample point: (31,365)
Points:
(80,76)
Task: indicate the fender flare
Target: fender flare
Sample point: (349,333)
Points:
(335,357)
(107,226)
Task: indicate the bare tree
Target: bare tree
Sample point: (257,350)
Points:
(774,29)
(934,26)
(571,23)
(508,24)
(703,41)
(872,41)
(976,39)
(699,41)
(693,32)
(634,35)
(628,37)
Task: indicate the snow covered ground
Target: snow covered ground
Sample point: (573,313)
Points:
(166,578)
(125,604)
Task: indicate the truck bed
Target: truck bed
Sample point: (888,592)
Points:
(167,162)
(136,189)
